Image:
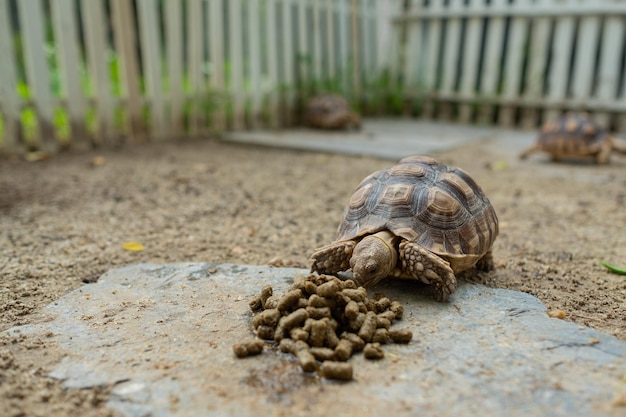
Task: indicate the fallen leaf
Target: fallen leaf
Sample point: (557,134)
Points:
(499,165)
(132,246)
(557,314)
(616,269)
(37,156)
(98,161)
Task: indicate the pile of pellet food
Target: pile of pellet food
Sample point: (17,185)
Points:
(324,320)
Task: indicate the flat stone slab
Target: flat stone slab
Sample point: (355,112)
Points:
(163,336)
(383,138)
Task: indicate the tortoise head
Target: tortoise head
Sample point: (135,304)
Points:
(374,258)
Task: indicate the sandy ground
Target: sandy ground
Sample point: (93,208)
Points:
(63,222)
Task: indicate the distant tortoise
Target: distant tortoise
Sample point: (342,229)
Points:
(420,220)
(330,111)
(575,135)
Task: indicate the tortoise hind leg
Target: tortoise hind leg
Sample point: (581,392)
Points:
(333,258)
(486,262)
(529,151)
(427,267)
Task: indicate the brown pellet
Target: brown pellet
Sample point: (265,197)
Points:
(317,301)
(331,338)
(355,325)
(271,303)
(267,318)
(328,289)
(255,304)
(248,348)
(382,322)
(373,351)
(293,319)
(317,333)
(337,370)
(302,303)
(287,345)
(343,350)
(366,332)
(266,292)
(288,300)
(318,312)
(381,336)
(297,333)
(352,310)
(388,315)
(356,342)
(265,332)
(358,294)
(301,345)
(349,284)
(400,335)
(310,287)
(306,360)
(382,304)
(397,309)
(322,353)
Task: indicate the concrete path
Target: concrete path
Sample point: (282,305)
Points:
(386,138)
(162,335)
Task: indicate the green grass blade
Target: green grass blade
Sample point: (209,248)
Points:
(616,269)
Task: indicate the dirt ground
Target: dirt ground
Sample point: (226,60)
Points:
(63,222)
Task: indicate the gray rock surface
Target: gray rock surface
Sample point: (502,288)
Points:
(384,138)
(163,336)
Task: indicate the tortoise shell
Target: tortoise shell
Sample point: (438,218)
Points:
(330,111)
(573,134)
(440,208)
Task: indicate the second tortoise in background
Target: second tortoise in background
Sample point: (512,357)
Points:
(575,135)
(332,112)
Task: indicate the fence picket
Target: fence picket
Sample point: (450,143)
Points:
(272,64)
(585,56)
(10,102)
(537,56)
(433,46)
(236,61)
(150,42)
(124,38)
(216,57)
(513,64)
(98,51)
(491,67)
(174,53)
(559,69)
(254,64)
(470,62)
(288,63)
(194,65)
(66,41)
(609,65)
(413,64)
(329,45)
(451,57)
(37,70)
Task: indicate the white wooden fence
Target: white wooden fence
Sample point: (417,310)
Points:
(85,72)
(514,61)
(132,70)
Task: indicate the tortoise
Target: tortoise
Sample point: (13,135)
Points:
(419,219)
(330,111)
(575,135)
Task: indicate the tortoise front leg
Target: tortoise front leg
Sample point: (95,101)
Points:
(333,258)
(428,268)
